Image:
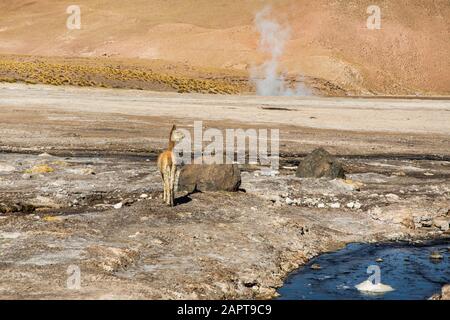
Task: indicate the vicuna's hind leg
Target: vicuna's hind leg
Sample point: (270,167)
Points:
(164,186)
(167,186)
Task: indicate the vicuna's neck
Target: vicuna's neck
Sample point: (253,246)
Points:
(171,142)
(171,145)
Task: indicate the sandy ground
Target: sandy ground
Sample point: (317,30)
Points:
(101,147)
(54,117)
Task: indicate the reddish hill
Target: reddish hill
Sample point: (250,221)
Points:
(328,38)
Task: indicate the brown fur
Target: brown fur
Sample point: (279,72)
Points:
(167,168)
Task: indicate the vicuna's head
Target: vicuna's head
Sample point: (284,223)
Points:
(176,135)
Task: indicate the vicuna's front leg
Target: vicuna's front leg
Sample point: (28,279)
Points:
(172,184)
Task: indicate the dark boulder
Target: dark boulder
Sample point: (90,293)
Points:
(318,164)
(209,177)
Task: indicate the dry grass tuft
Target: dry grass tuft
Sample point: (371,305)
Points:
(108,73)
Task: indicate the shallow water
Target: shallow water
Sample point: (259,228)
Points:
(405,267)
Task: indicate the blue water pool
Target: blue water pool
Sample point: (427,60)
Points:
(406,267)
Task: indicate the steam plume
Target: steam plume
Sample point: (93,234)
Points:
(273,38)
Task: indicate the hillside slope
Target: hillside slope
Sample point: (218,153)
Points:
(328,39)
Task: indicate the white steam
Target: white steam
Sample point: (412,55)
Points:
(266,77)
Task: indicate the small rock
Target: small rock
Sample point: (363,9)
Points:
(315,266)
(102,206)
(392,197)
(134,235)
(354,205)
(88,171)
(249,282)
(144,195)
(289,201)
(118,205)
(435,255)
(379,260)
(441,223)
(321,205)
(128,202)
(45,155)
(157,241)
(426,222)
(26,176)
(428,174)
(335,205)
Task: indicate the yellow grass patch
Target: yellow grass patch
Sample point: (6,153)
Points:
(40,169)
(108,73)
(51,218)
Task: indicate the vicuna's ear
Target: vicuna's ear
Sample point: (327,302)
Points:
(174,127)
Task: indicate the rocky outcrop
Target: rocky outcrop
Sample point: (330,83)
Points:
(16,207)
(442,223)
(211,177)
(112,259)
(320,164)
(444,295)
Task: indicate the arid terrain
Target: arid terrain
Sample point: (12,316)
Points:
(328,42)
(85,111)
(79,187)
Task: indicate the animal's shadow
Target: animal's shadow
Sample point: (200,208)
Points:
(184,199)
